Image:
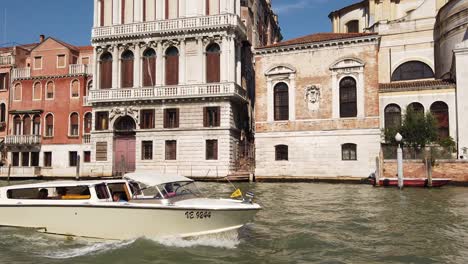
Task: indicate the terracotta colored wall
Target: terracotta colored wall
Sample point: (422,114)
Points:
(455,170)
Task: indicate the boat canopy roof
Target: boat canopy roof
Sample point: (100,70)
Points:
(149,178)
(54,184)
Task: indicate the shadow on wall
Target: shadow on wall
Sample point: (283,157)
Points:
(466,35)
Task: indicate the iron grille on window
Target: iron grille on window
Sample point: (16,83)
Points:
(147,150)
(281,101)
(212,149)
(348,151)
(348,101)
(171,150)
(281,152)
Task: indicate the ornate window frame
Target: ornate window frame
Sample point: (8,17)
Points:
(281,73)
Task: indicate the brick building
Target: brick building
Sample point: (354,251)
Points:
(49,120)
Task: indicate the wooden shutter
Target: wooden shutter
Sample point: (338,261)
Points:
(27,125)
(106,74)
(213,67)
(101,151)
(123,11)
(102,13)
(205,117)
(149,71)
(127,73)
(172,70)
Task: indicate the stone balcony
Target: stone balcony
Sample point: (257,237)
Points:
(168,92)
(21,73)
(23,140)
(73,69)
(166,26)
(7,60)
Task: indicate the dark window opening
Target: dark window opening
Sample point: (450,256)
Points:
(352,26)
(348,98)
(72,158)
(47,159)
(392,116)
(87,156)
(212,117)
(171,118)
(348,152)
(281,102)
(147,150)
(412,70)
(281,152)
(212,149)
(102,121)
(171,150)
(147,119)
(440,112)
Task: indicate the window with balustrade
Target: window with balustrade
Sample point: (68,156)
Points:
(74,127)
(26,125)
(212,7)
(149,68)
(36,125)
(50,90)
(49,127)
(213,63)
(172,9)
(17,124)
(127,62)
(75,89)
(105,71)
(172,66)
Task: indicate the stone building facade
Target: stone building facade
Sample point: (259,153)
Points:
(173,85)
(317,106)
(48,117)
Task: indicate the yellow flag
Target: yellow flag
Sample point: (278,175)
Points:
(236,193)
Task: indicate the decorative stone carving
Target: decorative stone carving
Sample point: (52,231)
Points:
(124,111)
(312,97)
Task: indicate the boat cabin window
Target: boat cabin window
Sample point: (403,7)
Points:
(119,190)
(135,188)
(102,192)
(51,193)
(176,189)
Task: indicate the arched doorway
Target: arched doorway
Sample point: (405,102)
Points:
(124,145)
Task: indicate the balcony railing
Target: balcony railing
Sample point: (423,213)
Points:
(80,69)
(178,24)
(167,92)
(6,60)
(21,73)
(23,140)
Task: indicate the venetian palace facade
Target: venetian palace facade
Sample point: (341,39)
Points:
(173,84)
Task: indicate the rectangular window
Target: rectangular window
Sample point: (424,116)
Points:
(101,151)
(34,159)
(147,150)
(212,149)
(147,119)
(171,150)
(38,63)
(87,156)
(102,121)
(171,118)
(15,159)
(72,158)
(348,152)
(47,159)
(3,81)
(25,159)
(85,60)
(61,61)
(211,117)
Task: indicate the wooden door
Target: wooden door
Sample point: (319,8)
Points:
(124,154)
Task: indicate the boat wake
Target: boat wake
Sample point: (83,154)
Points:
(228,240)
(90,248)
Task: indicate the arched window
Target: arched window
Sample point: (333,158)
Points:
(26,125)
(348,101)
(149,67)
(172,66)
(2,112)
(416,107)
(349,151)
(281,101)
(281,152)
(17,92)
(90,87)
(87,123)
(105,72)
(36,125)
(212,7)
(124,124)
(412,70)
(392,116)
(17,125)
(37,90)
(127,69)
(75,88)
(352,26)
(213,63)
(441,113)
(50,87)
(74,124)
(49,127)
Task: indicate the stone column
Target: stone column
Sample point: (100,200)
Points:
(202,59)
(292,97)
(222,6)
(159,64)
(270,101)
(335,96)
(182,59)
(224,53)
(96,73)
(137,67)
(160,9)
(232,59)
(182,8)
(115,67)
(137,11)
(238,7)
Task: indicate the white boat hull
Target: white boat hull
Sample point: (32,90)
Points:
(123,222)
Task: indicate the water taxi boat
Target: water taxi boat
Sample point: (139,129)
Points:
(139,205)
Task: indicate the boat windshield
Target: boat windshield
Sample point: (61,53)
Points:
(177,189)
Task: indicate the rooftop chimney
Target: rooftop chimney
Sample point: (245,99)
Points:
(41,38)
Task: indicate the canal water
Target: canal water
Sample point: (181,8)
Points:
(300,223)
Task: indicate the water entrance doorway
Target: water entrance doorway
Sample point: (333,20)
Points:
(124,146)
